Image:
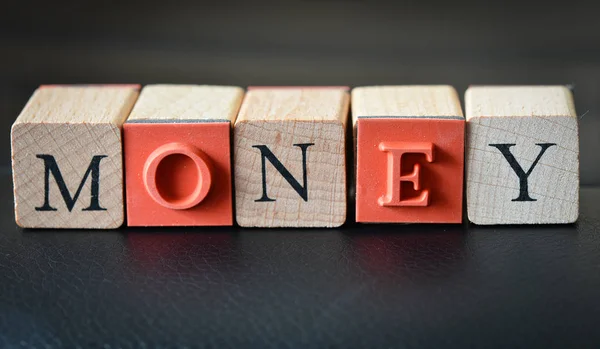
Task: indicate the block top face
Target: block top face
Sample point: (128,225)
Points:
(187,103)
(519,101)
(91,104)
(439,102)
(295,104)
(345,88)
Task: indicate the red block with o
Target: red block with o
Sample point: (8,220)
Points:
(178,169)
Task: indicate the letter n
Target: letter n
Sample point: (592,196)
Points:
(395,150)
(266,154)
(51,168)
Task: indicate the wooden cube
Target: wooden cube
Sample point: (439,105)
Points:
(522,155)
(67,157)
(289,157)
(178,156)
(409,154)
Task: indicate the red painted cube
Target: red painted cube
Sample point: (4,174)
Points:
(409,154)
(178,170)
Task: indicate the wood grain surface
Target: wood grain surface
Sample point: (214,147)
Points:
(187,102)
(304,129)
(513,128)
(78,129)
(416,101)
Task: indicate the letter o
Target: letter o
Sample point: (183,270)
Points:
(171,192)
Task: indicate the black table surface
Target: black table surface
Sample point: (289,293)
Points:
(435,286)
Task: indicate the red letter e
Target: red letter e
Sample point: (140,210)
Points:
(394,151)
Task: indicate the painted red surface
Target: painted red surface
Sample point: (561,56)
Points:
(178,174)
(409,170)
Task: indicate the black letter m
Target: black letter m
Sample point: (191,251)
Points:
(266,154)
(52,168)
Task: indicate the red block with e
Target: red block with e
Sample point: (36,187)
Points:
(178,156)
(409,154)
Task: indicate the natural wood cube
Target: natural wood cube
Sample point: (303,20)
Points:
(289,157)
(409,154)
(178,155)
(67,157)
(522,155)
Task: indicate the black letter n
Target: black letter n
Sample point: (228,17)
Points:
(266,154)
(52,168)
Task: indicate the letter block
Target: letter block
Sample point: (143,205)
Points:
(290,161)
(178,156)
(67,157)
(409,154)
(522,155)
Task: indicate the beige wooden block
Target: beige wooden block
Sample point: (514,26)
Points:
(180,103)
(409,101)
(289,158)
(67,157)
(522,155)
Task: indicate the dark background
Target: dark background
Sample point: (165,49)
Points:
(359,286)
(309,42)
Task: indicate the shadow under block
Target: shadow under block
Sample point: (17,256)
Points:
(67,157)
(522,155)
(178,156)
(289,157)
(409,154)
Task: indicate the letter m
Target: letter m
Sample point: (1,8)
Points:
(52,168)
